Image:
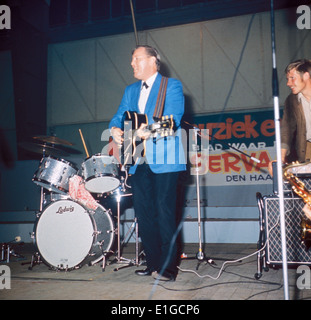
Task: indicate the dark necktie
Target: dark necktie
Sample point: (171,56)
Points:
(145,85)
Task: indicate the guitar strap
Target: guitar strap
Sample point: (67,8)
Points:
(158,111)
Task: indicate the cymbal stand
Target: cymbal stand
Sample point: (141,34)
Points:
(35,259)
(41,190)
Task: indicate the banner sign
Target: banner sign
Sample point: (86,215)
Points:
(252,136)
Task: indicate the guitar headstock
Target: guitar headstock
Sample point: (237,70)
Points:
(164,126)
(299,168)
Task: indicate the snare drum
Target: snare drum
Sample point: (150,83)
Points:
(54,174)
(100,173)
(69,236)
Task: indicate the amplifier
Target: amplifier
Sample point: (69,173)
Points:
(296,250)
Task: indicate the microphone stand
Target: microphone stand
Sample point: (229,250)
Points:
(279,158)
(200,255)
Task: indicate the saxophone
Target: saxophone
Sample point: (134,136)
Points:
(300,189)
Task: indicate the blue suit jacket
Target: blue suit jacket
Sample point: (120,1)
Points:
(166,154)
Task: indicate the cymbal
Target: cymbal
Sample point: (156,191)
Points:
(53,140)
(43,149)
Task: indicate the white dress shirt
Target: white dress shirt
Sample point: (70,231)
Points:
(144,92)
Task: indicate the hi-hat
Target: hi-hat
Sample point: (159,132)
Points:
(43,149)
(53,140)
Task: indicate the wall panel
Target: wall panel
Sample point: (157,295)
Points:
(223,64)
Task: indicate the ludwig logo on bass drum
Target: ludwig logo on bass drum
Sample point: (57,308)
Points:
(65,209)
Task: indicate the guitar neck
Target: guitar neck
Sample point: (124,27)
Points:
(133,120)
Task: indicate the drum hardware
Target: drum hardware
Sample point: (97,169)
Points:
(52,197)
(53,140)
(43,149)
(35,259)
(103,258)
(96,233)
(51,146)
(119,259)
(7,251)
(133,228)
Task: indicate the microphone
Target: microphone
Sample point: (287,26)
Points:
(256,160)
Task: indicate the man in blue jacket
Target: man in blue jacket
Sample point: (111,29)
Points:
(154,177)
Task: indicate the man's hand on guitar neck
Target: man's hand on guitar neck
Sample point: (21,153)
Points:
(142,132)
(117,135)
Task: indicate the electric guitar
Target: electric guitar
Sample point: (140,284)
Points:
(300,189)
(134,147)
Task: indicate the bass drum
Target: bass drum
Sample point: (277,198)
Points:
(69,236)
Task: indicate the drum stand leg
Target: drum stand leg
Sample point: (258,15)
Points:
(130,262)
(35,259)
(119,258)
(103,258)
(104,263)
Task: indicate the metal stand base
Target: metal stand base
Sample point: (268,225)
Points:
(134,227)
(35,259)
(103,259)
(124,262)
(7,251)
(201,258)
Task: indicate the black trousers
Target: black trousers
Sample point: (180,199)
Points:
(154,200)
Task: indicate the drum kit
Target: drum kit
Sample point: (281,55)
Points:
(73,229)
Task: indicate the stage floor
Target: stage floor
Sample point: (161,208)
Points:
(196,280)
